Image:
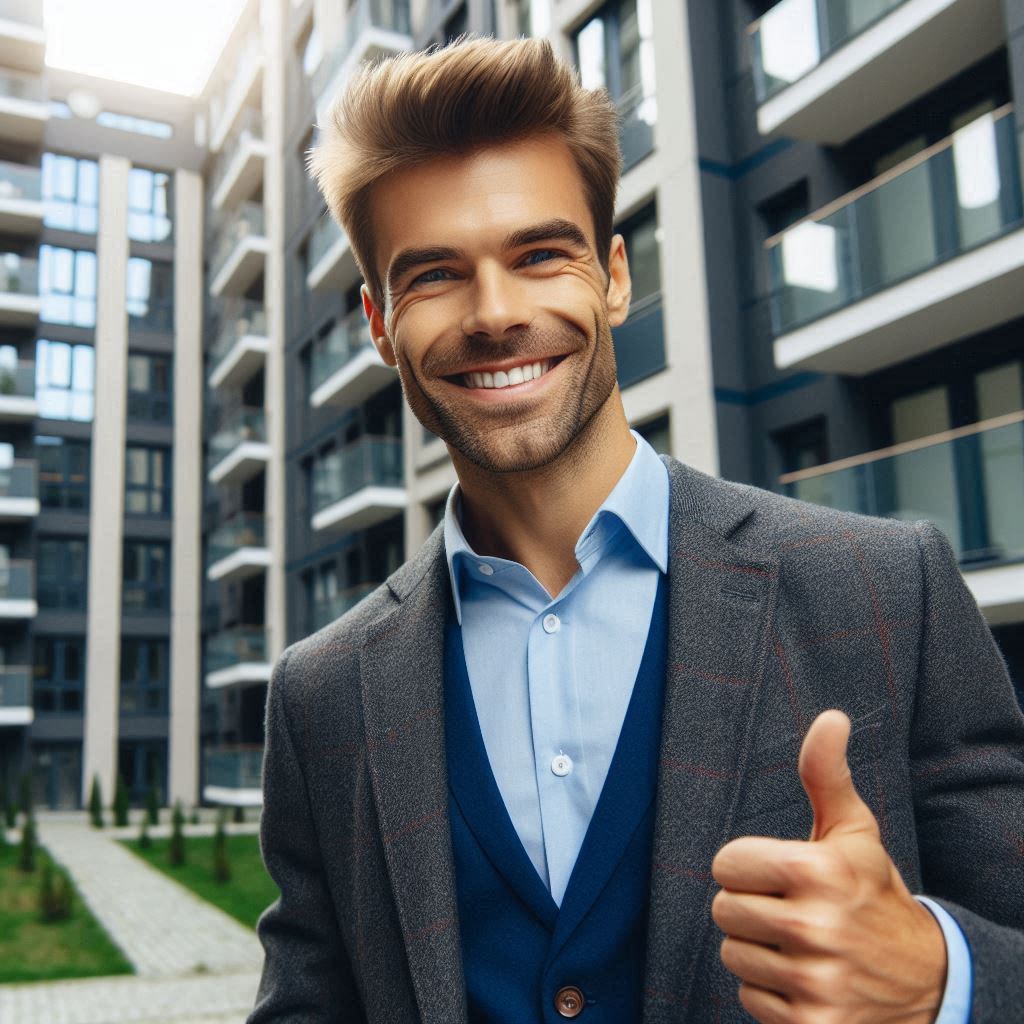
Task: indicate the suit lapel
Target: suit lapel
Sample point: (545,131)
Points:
(403,707)
(721,598)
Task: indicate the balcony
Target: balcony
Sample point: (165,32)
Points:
(346,368)
(237,549)
(375,28)
(239,449)
(969,482)
(20,302)
(241,347)
(233,776)
(930,252)
(240,252)
(16,695)
(237,656)
(17,589)
(240,170)
(359,485)
(19,491)
(640,342)
(331,260)
(24,110)
(21,199)
(333,607)
(241,87)
(18,392)
(827,69)
(22,40)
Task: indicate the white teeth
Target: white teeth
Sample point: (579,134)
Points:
(501,379)
(515,375)
(527,371)
(538,369)
(504,379)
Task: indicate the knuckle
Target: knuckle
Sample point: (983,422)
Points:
(805,978)
(720,909)
(808,868)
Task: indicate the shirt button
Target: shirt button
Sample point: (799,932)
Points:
(552,623)
(569,1001)
(485,569)
(561,765)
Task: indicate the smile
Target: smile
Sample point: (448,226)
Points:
(508,378)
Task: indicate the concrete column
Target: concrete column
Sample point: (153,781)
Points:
(274,22)
(186,549)
(106,471)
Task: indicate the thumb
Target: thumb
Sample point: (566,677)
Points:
(826,778)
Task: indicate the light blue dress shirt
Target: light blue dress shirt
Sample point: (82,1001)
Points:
(552,677)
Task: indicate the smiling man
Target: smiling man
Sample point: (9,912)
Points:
(622,741)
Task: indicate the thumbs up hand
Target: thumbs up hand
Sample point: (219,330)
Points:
(826,931)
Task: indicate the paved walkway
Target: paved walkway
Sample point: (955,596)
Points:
(194,963)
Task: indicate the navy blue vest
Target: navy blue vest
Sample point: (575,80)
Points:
(518,947)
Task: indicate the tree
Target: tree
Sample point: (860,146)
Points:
(145,842)
(120,802)
(152,806)
(221,863)
(27,848)
(176,850)
(96,803)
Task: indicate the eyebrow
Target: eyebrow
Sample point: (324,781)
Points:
(556,229)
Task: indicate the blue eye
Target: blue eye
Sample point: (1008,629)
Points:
(545,253)
(425,277)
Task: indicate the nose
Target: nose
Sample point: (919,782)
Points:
(498,304)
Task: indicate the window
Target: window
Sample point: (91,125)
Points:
(65,379)
(63,473)
(642,237)
(656,433)
(802,446)
(312,51)
(58,674)
(146,576)
(456,24)
(150,295)
(60,573)
(144,675)
(149,387)
(149,205)
(147,481)
(138,125)
(67,284)
(71,193)
(615,51)
(533,17)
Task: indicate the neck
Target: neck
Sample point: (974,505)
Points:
(536,517)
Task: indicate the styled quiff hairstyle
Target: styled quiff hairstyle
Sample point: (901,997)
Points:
(472,93)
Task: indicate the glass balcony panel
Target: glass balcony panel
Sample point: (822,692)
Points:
(239,319)
(368,462)
(241,645)
(18,480)
(242,425)
(966,193)
(345,341)
(20,182)
(19,275)
(247,222)
(250,126)
(15,687)
(234,768)
(324,235)
(17,580)
(640,342)
(22,87)
(636,126)
(971,487)
(19,380)
(244,530)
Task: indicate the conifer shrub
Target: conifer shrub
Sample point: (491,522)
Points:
(27,846)
(120,803)
(24,795)
(152,806)
(176,849)
(145,841)
(55,895)
(221,863)
(96,803)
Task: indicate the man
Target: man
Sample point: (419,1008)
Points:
(622,741)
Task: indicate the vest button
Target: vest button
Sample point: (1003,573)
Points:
(569,1001)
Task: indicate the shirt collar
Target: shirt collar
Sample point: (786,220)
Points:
(639,501)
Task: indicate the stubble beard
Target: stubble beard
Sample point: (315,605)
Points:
(505,442)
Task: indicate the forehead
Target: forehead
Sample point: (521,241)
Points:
(474,200)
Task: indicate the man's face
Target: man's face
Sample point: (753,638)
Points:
(497,311)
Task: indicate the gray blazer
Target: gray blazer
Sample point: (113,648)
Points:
(778,610)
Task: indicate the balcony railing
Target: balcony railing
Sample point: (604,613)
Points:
(234,767)
(18,381)
(238,646)
(327,610)
(27,12)
(15,687)
(795,36)
(250,127)
(640,342)
(636,126)
(240,320)
(969,482)
(345,341)
(244,530)
(324,236)
(368,462)
(233,86)
(17,580)
(244,424)
(955,196)
(390,15)
(20,182)
(19,275)
(246,222)
(19,480)
(15,86)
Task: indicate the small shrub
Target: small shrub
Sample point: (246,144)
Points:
(145,842)
(120,803)
(55,895)
(195,815)
(152,806)
(221,863)
(96,803)
(176,849)
(27,847)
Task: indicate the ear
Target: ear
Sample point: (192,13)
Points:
(620,287)
(377,332)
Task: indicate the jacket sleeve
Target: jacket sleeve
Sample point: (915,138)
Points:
(307,977)
(967,773)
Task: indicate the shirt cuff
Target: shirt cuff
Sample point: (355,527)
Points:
(956,1000)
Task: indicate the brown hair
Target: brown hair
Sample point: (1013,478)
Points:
(473,92)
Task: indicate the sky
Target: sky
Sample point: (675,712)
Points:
(163,45)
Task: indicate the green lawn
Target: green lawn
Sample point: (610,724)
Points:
(33,951)
(250,891)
